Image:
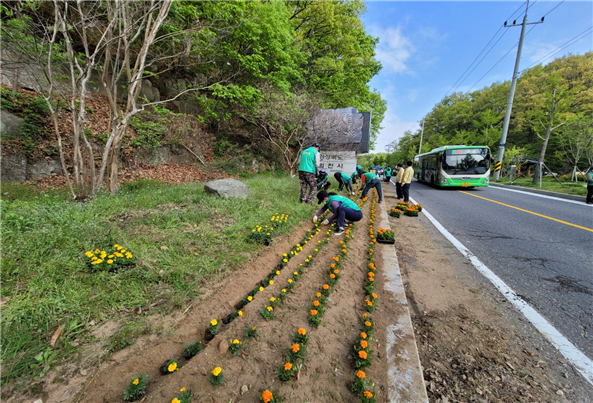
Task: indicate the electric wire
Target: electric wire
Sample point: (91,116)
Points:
(482,51)
(561,47)
(554,8)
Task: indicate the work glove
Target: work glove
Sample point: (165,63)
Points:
(325,222)
(315,218)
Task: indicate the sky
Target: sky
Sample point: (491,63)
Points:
(429,49)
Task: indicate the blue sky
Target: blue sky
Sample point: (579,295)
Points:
(426,46)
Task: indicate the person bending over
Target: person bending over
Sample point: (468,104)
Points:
(344,180)
(341,207)
(371,181)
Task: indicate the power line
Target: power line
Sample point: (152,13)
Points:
(484,48)
(564,45)
(554,8)
(499,60)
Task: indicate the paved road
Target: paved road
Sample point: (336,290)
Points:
(542,248)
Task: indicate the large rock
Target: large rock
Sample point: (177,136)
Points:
(228,188)
(10,125)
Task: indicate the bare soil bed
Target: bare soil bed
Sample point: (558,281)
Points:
(473,346)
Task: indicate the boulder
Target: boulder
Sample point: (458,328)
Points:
(228,188)
(10,125)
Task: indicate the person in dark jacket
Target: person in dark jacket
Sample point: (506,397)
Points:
(589,176)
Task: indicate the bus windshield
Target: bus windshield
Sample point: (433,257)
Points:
(466,161)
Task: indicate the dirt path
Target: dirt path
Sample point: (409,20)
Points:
(473,345)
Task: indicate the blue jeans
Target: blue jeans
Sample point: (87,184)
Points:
(375,183)
(347,213)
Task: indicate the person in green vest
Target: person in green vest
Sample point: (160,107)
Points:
(357,174)
(387,171)
(344,180)
(369,181)
(342,207)
(308,171)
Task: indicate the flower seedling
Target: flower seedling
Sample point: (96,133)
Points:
(192,349)
(137,388)
(236,346)
(170,366)
(216,377)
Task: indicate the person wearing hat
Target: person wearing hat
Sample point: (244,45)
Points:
(342,207)
(589,177)
(372,181)
(307,172)
(344,180)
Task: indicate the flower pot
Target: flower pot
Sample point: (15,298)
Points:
(387,241)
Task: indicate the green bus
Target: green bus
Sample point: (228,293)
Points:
(454,166)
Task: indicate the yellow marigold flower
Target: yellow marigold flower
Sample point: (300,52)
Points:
(182,389)
(110,256)
(261,288)
(367,394)
(216,371)
(94,258)
(269,308)
(362,354)
(240,313)
(88,254)
(283,290)
(98,261)
(213,322)
(361,374)
(175,400)
(271,282)
(287,366)
(97,251)
(249,298)
(302,331)
(277,272)
(172,367)
(272,299)
(236,341)
(285,255)
(267,396)
(285,260)
(290,280)
(136,381)
(295,348)
(109,261)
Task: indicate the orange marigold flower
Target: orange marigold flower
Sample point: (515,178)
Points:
(363,335)
(287,366)
(325,287)
(316,303)
(336,271)
(344,250)
(295,348)
(367,394)
(371,274)
(267,396)
(313,312)
(332,276)
(369,303)
(367,324)
(332,265)
(302,331)
(364,344)
(362,354)
(361,374)
(364,315)
(318,295)
(374,295)
(371,279)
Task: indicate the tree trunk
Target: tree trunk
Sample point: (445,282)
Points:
(542,154)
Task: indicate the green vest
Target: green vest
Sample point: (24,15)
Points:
(369,177)
(345,177)
(308,160)
(387,171)
(346,202)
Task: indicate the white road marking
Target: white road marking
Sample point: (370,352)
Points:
(538,195)
(575,356)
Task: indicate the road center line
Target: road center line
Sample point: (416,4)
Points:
(575,356)
(530,212)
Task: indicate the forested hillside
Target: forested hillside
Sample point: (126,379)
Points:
(552,117)
(251,73)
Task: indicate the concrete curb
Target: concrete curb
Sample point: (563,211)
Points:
(406,382)
(541,192)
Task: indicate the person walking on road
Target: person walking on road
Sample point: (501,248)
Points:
(308,171)
(342,207)
(406,180)
(589,176)
(372,181)
(398,181)
(344,180)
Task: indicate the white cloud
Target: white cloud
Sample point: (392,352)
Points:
(394,49)
(393,129)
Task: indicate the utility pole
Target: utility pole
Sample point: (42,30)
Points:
(507,115)
(421,134)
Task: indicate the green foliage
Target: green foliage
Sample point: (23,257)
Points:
(137,387)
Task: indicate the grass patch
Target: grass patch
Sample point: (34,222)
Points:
(552,185)
(180,236)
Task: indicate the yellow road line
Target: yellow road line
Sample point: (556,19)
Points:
(530,212)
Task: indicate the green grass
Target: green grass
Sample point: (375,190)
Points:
(552,185)
(48,283)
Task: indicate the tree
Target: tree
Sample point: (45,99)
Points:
(576,138)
